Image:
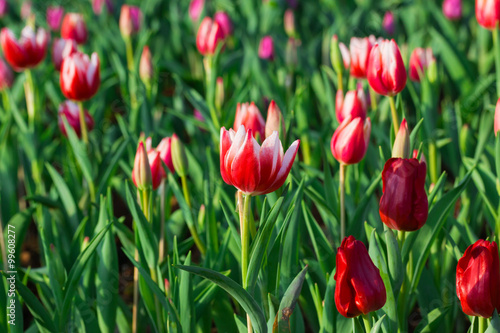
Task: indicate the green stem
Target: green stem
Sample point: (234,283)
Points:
(373,98)
(496,45)
(208,63)
(29,91)
(159,309)
(83,124)
(394,113)
(342,200)
(433,162)
(185,190)
(483,324)
(162,244)
(132,86)
(244,202)
(367,322)
(192,228)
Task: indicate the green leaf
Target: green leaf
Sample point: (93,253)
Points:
(494,326)
(394,262)
(430,322)
(186,297)
(236,291)
(329,310)
(378,325)
(111,165)
(65,196)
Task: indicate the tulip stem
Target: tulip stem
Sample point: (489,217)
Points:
(208,63)
(342,200)
(244,210)
(131,78)
(367,322)
(192,228)
(83,124)
(497,57)
(373,98)
(394,112)
(483,324)
(163,246)
(433,162)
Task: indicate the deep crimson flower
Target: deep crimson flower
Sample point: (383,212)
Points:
(251,168)
(351,105)
(130,20)
(359,289)
(71,112)
(404,205)
(419,61)
(250,116)
(209,35)
(80,77)
(386,70)
(350,140)
(28,52)
(74,27)
(478,279)
(54,16)
(488,13)
(61,48)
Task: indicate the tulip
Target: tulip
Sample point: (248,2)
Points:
(422,156)
(146,66)
(179,157)
(352,105)
(54,17)
(346,55)
(350,140)
(386,70)
(3,7)
(388,22)
(359,49)
(195,9)
(337,54)
(452,9)
(25,9)
(275,121)
(266,48)
(359,288)
(26,53)
(251,168)
(61,48)
(80,77)
(165,150)
(401,147)
(289,22)
(209,35)
(419,61)
(98,4)
(71,112)
(6,76)
(404,205)
(488,13)
(224,21)
(130,20)
(74,27)
(142,173)
(496,126)
(250,116)
(478,279)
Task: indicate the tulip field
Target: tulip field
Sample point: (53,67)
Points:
(250,166)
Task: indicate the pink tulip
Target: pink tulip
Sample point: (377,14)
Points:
(275,121)
(146,65)
(98,4)
(419,60)
(195,9)
(452,9)
(224,21)
(350,140)
(386,70)
(209,35)
(496,126)
(3,7)
(388,22)
(266,48)
(250,116)
(54,17)
(130,20)
(147,169)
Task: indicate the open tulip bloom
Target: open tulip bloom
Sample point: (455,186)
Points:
(28,51)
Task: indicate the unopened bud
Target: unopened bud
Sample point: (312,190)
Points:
(335,55)
(401,146)
(179,157)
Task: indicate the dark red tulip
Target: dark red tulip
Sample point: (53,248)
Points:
(359,289)
(478,279)
(404,205)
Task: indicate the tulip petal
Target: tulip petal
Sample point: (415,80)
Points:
(225,145)
(270,161)
(286,166)
(245,169)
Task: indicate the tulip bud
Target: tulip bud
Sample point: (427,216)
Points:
(6,76)
(432,71)
(420,59)
(496,126)
(275,121)
(249,116)
(165,150)
(98,4)
(167,288)
(350,140)
(141,173)
(54,17)
(179,157)
(71,112)
(85,243)
(488,13)
(386,70)
(404,205)
(452,9)
(195,9)
(80,76)
(130,20)
(401,146)
(266,48)
(74,27)
(388,22)
(224,21)
(350,106)
(359,288)
(146,66)
(346,56)
(3,8)
(28,51)
(157,171)
(335,55)
(219,93)
(478,279)
(209,35)
(289,22)
(61,48)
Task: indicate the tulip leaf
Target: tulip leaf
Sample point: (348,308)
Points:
(394,262)
(494,326)
(413,135)
(236,291)
(430,322)
(378,325)
(329,311)
(65,196)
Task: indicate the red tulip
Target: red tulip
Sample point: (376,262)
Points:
(275,121)
(496,126)
(388,22)
(195,9)
(141,173)
(80,77)
(71,112)
(251,168)
(61,48)
(419,60)
(352,105)
(478,279)
(54,16)
(266,48)
(350,140)
(26,53)
(488,13)
(452,9)
(74,27)
(404,205)
(130,20)
(209,35)
(146,65)
(164,149)
(6,76)
(224,21)
(98,4)
(250,116)
(359,49)
(386,70)
(359,289)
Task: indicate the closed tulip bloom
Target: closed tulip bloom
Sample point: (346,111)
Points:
(350,140)
(266,48)
(61,48)
(251,168)
(419,61)
(452,9)
(130,20)
(157,171)
(359,288)
(179,157)
(488,13)
(74,27)
(71,112)
(141,173)
(80,77)
(250,116)
(401,147)
(28,52)
(165,150)
(404,205)
(97,6)
(289,22)
(54,16)
(146,65)
(388,22)
(478,279)
(224,21)
(195,9)
(386,70)
(351,105)
(275,121)
(209,35)
(6,76)
(359,50)
(3,7)
(496,126)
